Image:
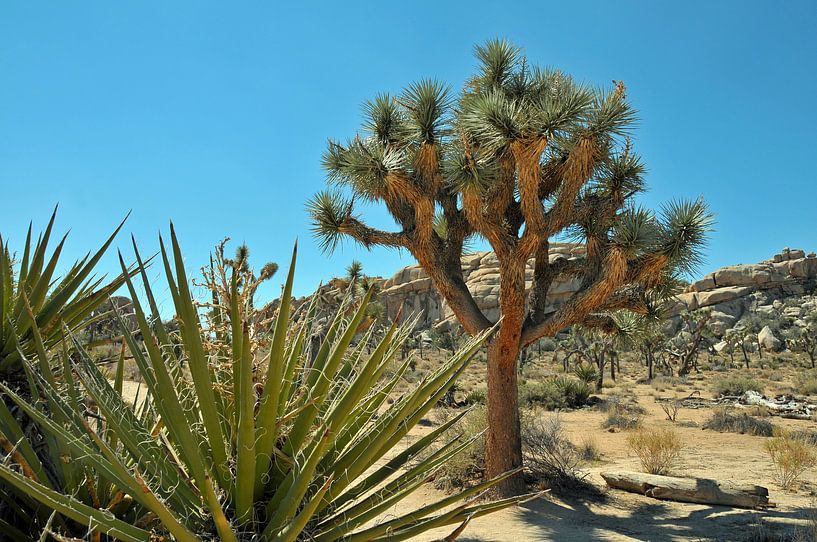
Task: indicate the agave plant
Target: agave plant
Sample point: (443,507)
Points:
(31,297)
(238,438)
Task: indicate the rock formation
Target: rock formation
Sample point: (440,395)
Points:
(411,290)
(735,291)
(783,286)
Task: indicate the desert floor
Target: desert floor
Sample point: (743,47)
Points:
(623,516)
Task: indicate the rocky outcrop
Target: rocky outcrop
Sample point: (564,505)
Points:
(411,289)
(732,292)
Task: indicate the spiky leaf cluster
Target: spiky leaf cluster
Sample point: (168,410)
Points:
(233,442)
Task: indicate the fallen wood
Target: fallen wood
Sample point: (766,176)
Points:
(694,490)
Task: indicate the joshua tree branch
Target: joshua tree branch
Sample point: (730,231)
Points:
(368,236)
(591,296)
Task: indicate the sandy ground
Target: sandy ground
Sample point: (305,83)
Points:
(626,516)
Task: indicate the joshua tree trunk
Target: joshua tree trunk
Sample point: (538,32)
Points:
(612,368)
(745,355)
(600,378)
(503,450)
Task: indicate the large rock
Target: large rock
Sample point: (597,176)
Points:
(768,341)
(721,295)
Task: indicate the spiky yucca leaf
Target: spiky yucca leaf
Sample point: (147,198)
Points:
(301,448)
(31,295)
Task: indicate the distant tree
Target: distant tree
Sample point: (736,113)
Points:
(732,340)
(522,155)
(686,346)
(354,272)
(805,338)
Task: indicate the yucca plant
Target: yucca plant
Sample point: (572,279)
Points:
(239,438)
(32,296)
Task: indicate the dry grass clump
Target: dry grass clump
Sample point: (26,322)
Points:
(725,420)
(657,449)
(622,413)
(807,384)
(791,457)
(551,459)
(589,450)
(662,382)
(807,532)
(735,385)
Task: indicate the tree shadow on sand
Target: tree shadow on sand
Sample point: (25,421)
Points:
(654,521)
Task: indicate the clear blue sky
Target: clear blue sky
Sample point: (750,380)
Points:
(215,114)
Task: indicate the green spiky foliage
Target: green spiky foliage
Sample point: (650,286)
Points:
(354,272)
(232,441)
(33,297)
(520,156)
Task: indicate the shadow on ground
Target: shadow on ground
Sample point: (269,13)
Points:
(626,519)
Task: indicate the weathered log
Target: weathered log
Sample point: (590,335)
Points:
(694,490)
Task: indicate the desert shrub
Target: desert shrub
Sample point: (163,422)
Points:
(574,393)
(589,450)
(551,459)
(791,457)
(586,373)
(758,410)
(806,435)
(808,531)
(662,382)
(761,530)
(477,396)
(550,455)
(736,385)
(621,416)
(671,409)
(806,384)
(657,449)
(555,393)
(725,420)
(466,468)
(547,344)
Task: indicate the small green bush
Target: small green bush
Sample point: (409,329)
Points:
(466,468)
(736,385)
(477,396)
(586,373)
(555,393)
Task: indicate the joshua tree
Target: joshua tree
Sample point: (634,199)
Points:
(805,338)
(520,156)
(354,272)
(686,346)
